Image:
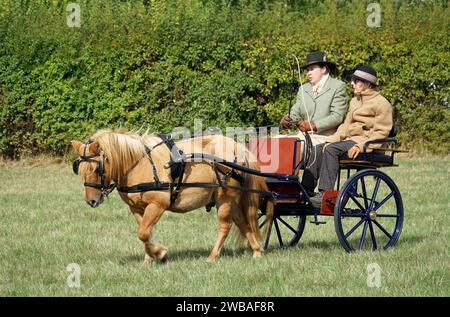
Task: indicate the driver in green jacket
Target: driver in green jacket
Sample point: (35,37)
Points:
(321,103)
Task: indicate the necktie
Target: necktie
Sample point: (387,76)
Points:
(316,89)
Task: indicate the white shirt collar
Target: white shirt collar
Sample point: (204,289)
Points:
(322,81)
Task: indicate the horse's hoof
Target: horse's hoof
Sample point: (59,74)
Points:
(212,259)
(257,254)
(163,257)
(148,260)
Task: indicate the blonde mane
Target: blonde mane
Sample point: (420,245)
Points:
(123,148)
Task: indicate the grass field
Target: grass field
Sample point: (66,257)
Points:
(46,225)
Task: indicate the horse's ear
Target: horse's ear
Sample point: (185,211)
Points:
(94,148)
(76,145)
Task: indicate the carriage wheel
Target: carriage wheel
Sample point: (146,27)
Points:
(285,230)
(369,212)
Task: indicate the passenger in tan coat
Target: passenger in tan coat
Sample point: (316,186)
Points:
(369,118)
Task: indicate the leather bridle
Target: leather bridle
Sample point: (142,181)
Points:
(105,189)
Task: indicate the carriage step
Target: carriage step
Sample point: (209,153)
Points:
(317,222)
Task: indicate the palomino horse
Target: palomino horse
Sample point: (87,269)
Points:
(127,159)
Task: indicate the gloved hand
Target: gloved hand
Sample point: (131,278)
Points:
(305,126)
(286,122)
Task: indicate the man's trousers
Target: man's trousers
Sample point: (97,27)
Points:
(323,165)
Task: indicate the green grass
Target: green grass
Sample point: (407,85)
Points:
(46,225)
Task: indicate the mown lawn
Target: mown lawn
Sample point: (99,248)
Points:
(46,225)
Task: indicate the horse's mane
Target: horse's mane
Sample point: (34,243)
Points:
(123,148)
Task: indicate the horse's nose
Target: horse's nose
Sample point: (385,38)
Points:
(92,203)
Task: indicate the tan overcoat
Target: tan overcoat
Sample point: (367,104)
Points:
(369,118)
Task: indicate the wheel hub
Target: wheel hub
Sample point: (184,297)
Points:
(372,215)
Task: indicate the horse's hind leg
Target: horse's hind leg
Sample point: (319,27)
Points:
(245,230)
(224,207)
(153,250)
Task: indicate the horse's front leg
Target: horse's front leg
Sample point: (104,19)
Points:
(224,209)
(153,250)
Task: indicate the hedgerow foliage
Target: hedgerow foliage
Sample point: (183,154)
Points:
(162,64)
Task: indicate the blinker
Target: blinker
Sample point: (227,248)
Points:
(75,166)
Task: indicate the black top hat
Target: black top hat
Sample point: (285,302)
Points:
(318,57)
(365,73)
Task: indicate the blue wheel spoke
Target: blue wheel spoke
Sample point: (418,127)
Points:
(382,229)
(262,223)
(353,215)
(354,228)
(383,201)
(287,225)
(278,232)
(372,234)
(375,191)
(269,231)
(356,202)
(364,192)
(363,236)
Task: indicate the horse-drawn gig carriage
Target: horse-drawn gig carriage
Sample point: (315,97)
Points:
(368,204)
(189,174)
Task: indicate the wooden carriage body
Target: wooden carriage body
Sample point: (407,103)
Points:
(282,157)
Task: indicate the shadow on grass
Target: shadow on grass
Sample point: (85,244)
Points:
(322,245)
(411,239)
(305,246)
(130,259)
(203,253)
(191,254)
(333,245)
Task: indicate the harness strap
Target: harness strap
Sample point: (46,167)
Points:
(176,191)
(176,163)
(217,170)
(207,157)
(152,163)
(232,173)
(94,185)
(145,187)
(175,153)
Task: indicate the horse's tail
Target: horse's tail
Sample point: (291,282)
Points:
(251,202)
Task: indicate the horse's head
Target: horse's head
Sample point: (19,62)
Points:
(94,166)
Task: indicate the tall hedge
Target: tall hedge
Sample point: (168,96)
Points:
(161,64)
